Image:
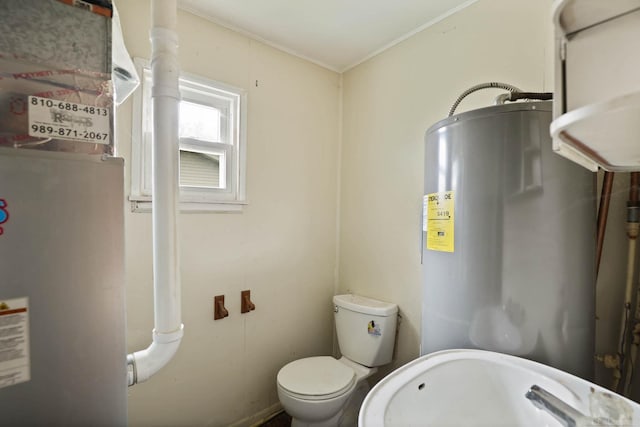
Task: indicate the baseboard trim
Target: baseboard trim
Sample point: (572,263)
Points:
(259,418)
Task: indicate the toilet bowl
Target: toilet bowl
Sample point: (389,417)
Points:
(315,391)
(326,392)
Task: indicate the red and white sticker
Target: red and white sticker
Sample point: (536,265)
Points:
(15,364)
(49,118)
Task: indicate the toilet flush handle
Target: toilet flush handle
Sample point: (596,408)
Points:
(335,308)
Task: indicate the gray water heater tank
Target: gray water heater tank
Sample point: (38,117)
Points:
(508,240)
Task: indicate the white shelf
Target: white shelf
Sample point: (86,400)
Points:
(607,132)
(572,16)
(596,103)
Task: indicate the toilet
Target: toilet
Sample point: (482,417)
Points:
(326,392)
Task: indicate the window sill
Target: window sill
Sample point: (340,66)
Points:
(144,206)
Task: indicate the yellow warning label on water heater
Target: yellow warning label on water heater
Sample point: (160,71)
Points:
(439,221)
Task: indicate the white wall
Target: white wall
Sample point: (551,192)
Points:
(389,102)
(282,247)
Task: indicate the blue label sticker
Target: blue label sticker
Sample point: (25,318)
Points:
(4,214)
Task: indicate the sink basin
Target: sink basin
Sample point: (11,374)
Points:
(482,388)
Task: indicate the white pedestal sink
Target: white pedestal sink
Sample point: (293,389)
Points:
(481,388)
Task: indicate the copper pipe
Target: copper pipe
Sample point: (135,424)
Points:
(634,187)
(603,212)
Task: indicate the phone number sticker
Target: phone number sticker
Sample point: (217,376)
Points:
(49,118)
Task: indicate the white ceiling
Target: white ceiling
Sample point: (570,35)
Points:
(337,34)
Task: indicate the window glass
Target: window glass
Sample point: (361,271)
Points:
(199,121)
(201,169)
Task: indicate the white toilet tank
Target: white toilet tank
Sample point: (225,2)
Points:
(366,329)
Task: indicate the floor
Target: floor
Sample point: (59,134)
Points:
(280,420)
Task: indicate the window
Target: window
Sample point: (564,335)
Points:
(212,144)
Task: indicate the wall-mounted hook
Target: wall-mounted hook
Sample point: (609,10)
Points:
(219,312)
(245,302)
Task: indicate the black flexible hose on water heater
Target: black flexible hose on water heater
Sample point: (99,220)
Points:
(538,96)
(514,94)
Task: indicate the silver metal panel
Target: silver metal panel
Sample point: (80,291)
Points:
(52,50)
(521,277)
(55,34)
(63,248)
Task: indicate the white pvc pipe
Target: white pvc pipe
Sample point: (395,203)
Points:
(165,95)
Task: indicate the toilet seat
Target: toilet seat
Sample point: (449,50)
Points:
(316,378)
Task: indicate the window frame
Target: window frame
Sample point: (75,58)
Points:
(232,103)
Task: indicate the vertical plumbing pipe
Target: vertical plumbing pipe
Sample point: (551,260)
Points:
(165,94)
(611,361)
(626,312)
(603,212)
(633,229)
